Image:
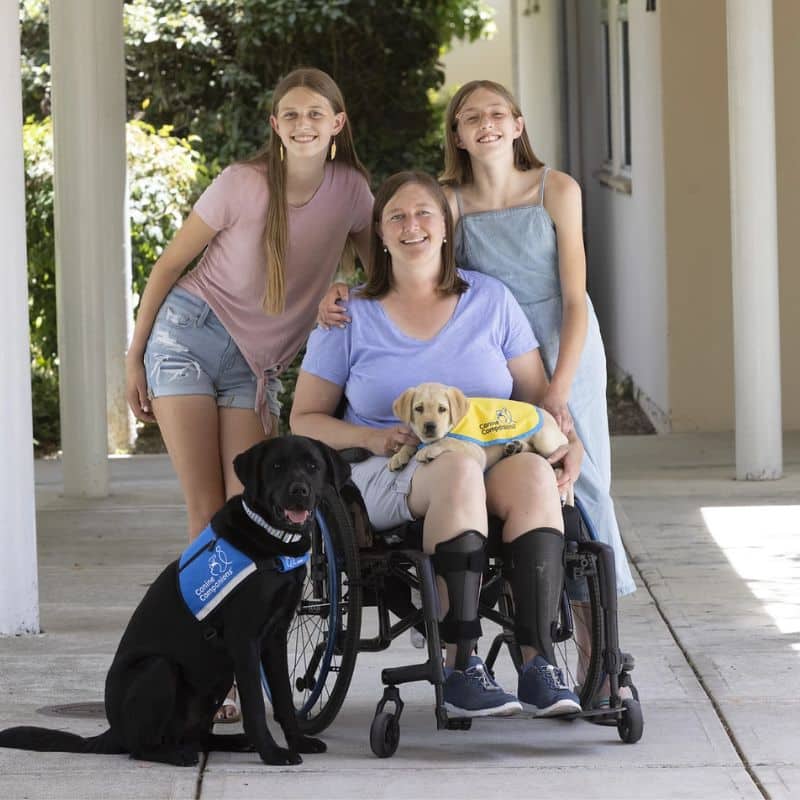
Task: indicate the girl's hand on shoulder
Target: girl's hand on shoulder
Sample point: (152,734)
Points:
(332,310)
(388,441)
(556,404)
(136,389)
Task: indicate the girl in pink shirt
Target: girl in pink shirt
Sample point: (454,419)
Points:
(208,349)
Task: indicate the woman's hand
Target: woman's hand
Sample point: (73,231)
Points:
(136,388)
(388,441)
(568,458)
(556,403)
(332,310)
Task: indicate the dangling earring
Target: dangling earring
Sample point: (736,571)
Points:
(280,149)
(333,149)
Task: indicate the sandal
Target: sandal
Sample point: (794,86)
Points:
(230,711)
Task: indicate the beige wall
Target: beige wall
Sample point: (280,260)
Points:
(787,119)
(489,59)
(699,294)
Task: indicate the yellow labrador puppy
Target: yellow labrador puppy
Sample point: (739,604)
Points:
(444,420)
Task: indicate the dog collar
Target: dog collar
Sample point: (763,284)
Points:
(285,536)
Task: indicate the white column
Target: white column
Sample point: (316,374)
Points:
(83,193)
(754,230)
(114,223)
(19,593)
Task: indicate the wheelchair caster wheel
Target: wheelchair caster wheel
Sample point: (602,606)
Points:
(631,723)
(384,734)
(459,724)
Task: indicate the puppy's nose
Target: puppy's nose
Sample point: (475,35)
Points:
(298,489)
(429,428)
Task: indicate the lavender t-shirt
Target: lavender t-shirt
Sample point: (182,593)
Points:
(231,274)
(374,361)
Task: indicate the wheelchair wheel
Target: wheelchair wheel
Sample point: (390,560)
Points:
(384,734)
(323,638)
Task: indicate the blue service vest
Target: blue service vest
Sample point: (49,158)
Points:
(211,568)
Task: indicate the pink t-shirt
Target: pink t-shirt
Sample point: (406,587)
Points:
(231,274)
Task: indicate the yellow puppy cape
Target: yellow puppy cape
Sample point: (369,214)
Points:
(489,422)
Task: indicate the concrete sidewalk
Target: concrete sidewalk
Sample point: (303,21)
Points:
(714,628)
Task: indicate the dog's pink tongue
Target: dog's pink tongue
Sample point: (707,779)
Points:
(295,515)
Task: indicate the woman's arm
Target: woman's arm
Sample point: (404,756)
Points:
(563,203)
(192,237)
(530,386)
(315,403)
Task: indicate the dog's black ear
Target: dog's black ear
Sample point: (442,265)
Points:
(338,468)
(246,464)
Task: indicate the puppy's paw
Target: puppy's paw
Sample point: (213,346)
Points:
(512,448)
(281,757)
(308,744)
(398,461)
(427,454)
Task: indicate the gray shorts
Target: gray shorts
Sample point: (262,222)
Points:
(385,493)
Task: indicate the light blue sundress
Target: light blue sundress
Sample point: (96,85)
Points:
(518,246)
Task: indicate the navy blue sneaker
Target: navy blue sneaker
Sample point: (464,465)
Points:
(474,693)
(542,690)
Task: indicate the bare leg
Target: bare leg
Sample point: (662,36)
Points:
(189,425)
(239,429)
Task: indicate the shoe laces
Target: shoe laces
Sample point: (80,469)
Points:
(479,674)
(553,676)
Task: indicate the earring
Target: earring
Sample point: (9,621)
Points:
(444,240)
(333,149)
(385,249)
(280,149)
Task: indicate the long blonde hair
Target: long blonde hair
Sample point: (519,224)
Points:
(457,164)
(276,228)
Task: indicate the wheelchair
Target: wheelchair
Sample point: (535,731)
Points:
(343,578)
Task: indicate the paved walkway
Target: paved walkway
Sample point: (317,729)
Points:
(715,628)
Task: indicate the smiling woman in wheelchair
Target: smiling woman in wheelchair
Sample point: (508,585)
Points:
(418,318)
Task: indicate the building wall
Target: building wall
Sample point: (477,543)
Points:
(698,248)
(485,59)
(787,123)
(625,233)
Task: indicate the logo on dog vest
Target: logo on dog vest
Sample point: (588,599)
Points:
(490,422)
(209,570)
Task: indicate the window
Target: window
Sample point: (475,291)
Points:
(616,93)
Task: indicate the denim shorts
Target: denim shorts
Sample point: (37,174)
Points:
(190,352)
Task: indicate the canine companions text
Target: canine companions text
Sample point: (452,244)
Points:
(444,420)
(222,610)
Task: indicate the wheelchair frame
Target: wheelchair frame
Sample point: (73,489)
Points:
(342,579)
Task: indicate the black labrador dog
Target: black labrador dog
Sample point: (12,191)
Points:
(222,610)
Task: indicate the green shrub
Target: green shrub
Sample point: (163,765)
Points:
(164,175)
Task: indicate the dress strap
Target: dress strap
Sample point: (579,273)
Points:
(541,185)
(457,192)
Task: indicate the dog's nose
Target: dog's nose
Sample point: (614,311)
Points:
(298,489)
(429,428)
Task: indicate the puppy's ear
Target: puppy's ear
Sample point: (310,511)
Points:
(246,464)
(338,468)
(459,405)
(401,407)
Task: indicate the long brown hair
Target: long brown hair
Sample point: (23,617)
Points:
(379,269)
(457,164)
(276,228)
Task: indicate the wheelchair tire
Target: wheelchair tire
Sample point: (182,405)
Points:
(323,637)
(631,724)
(384,734)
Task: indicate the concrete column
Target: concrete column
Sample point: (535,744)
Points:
(19,593)
(86,199)
(754,227)
(115,224)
